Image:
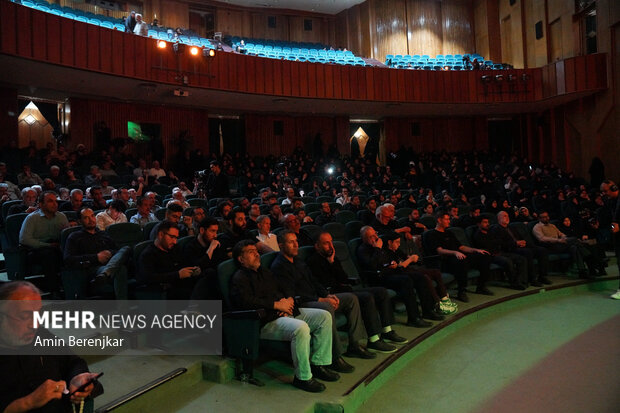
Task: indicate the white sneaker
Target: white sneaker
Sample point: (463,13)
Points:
(616,295)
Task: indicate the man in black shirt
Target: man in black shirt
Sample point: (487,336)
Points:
(375,303)
(511,241)
(371,258)
(456,258)
(292,223)
(253,288)
(161,266)
(238,232)
(217,182)
(206,252)
(95,253)
(34,382)
(297,280)
(325,216)
(174,213)
(513,264)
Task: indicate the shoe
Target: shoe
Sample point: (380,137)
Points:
(536,283)
(517,286)
(360,353)
(484,291)
(419,323)
(322,373)
(99,280)
(381,346)
(446,302)
(446,309)
(462,296)
(544,280)
(342,366)
(311,385)
(616,295)
(433,315)
(392,337)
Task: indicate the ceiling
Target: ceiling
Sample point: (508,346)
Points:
(317,6)
(46,81)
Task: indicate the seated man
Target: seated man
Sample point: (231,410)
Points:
(325,216)
(161,266)
(375,303)
(40,234)
(28,204)
(469,219)
(292,223)
(237,223)
(253,287)
(174,212)
(370,256)
(75,202)
(97,201)
(144,214)
(114,214)
(297,281)
(550,237)
(270,240)
(275,215)
(205,251)
(511,241)
(457,258)
(513,264)
(417,228)
(431,290)
(94,252)
(34,382)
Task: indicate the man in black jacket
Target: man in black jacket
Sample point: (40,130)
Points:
(206,252)
(95,253)
(375,303)
(370,256)
(161,266)
(297,281)
(513,264)
(511,241)
(217,182)
(255,288)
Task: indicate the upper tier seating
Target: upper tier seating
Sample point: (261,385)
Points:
(441,62)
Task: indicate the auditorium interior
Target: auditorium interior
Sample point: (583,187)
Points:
(489,105)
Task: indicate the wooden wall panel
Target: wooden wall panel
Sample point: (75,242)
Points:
(366,30)
(389,28)
(261,29)
(457,27)
(92,46)
(174,14)
(105,50)
(39,49)
(24,34)
(232,22)
(67,43)
(425,27)
(481,27)
(85,113)
(53,38)
(355,30)
(341,29)
(8,32)
(8,116)
(318,34)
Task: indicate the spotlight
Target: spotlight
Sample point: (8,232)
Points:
(499,78)
(485,78)
(194,51)
(446,68)
(208,52)
(330,170)
(512,78)
(161,44)
(525,77)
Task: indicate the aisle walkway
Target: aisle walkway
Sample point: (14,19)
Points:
(558,355)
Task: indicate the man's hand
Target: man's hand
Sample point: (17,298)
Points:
(104,256)
(214,244)
(459,255)
(186,272)
(79,380)
(48,390)
(285,305)
(615,228)
(483,252)
(521,243)
(378,243)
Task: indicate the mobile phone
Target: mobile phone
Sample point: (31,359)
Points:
(85,385)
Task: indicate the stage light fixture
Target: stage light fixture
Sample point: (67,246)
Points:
(446,68)
(512,78)
(525,77)
(485,78)
(178,48)
(499,78)
(194,51)
(208,52)
(161,44)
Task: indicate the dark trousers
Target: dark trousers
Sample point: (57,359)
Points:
(434,282)
(542,257)
(115,268)
(404,287)
(514,265)
(459,268)
(50,258)
(376,308)
(350,307)
(579,254)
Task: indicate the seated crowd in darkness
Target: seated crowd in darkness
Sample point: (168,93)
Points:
(248,197)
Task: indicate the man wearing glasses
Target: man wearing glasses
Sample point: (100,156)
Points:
(161,267)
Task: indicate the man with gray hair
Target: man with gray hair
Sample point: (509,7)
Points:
(28,204)
(75,202)
(141,29)
(33,382)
